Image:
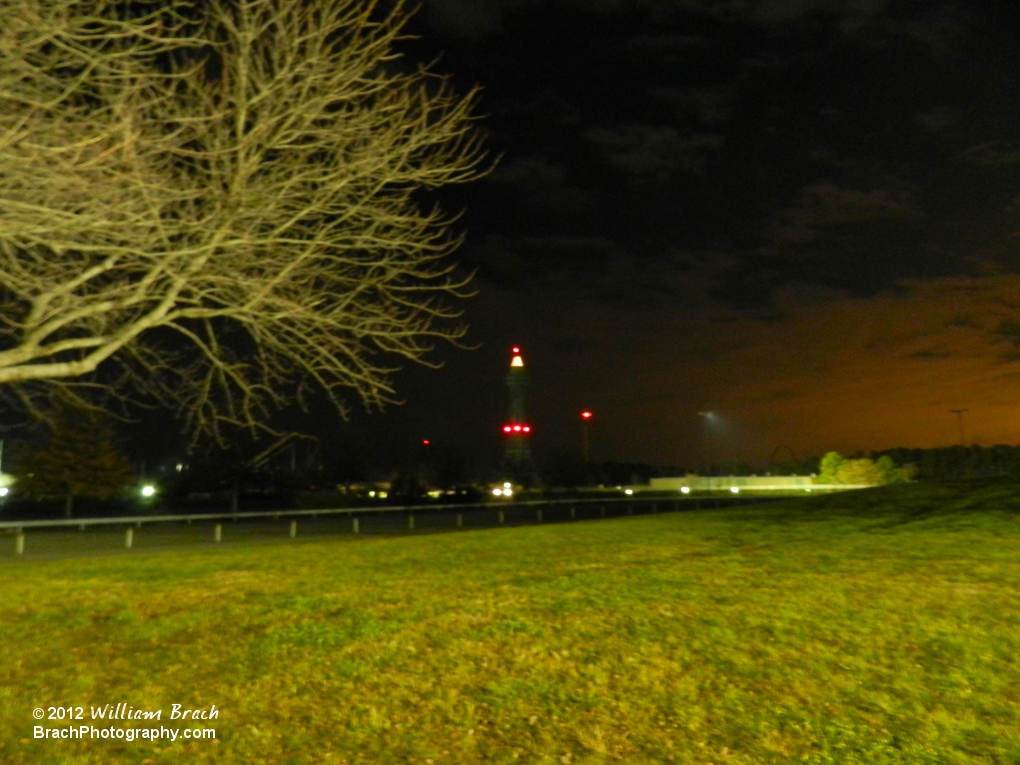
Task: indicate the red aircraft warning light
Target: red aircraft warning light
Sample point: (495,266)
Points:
(586,415)
(516,428)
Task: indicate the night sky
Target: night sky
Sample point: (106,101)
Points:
(800,214)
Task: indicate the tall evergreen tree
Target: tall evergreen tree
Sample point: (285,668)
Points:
(79,457)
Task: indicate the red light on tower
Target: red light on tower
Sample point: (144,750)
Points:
(425,442)
(516,349)
(516,428)
(586,415)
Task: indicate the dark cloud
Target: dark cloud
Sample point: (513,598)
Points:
(529,172)
(663,48)
(993,153)
(471,19)
(654,153)
(823,205)
(709,106)
(543,184)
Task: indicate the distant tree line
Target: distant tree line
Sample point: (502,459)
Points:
(942,463)
(950,462)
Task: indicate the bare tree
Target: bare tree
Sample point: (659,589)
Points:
(219,204)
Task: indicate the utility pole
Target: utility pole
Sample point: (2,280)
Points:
(959,418)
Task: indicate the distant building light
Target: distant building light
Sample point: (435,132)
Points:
(685,489)
(148,490)
(180,467)
(371,494)
(735,490)
(506,485)
(628,491)
(497,492)
(382,495)
(517,362)
(508,492)
(4,491)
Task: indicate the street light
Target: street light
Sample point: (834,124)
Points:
(586,416)
(705,416)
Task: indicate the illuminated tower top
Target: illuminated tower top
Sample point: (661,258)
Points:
(517,383)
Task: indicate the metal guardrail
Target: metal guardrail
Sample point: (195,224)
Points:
(667,504)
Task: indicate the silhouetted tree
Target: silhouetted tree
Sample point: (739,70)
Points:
(222,201)
(78,458)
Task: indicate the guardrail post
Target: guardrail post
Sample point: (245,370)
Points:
(630,508)
(538,515)
(218,532)
(354,524)
(410,523)
(655,507)
(573,512)
(293,529)
(129,538)
(19,543)
(188,521)
(602,510)
(138,524)
(501,518)
(81,527)
(460,520)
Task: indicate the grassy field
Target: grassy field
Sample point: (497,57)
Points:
(872,627)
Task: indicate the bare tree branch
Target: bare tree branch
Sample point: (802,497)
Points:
(222,203)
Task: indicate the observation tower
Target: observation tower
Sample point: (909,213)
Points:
(517,431)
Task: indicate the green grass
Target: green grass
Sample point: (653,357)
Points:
(870,627)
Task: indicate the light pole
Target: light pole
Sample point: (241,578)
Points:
(586,416)
(705,416)
(959,419)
